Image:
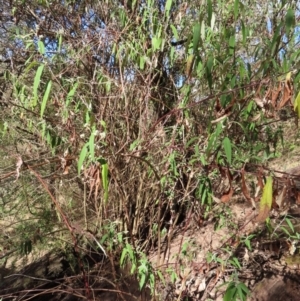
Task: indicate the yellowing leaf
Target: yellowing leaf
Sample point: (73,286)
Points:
(288,76)
(297,105)
(105,180)
(266,201)
(189,65)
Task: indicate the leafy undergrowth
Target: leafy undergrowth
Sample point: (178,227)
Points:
(242,251)
(137,142)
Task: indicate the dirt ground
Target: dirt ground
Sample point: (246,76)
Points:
(202,253)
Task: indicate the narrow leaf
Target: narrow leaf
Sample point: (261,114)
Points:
(36,83)
(210,63)
(228,149)
(202,30)
(71,93)
(266,201)
(142,281)
(175,33)
(82,156)
(100,246)
(105,181)
(59,43)
(289,20)
(236,8)
(297,105)
(45,98)
(209,12)
(124,252)
(41,47)
(230,293)
(161,277)
(142,62)
(156,42)
(290,224)
(241,294)
(196,37)
(189,65)
(168,7)
(244,32)
(237,263)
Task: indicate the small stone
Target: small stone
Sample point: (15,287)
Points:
(202,286)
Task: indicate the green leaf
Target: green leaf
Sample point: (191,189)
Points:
(59,43)
(36,83)
(45,98)
(175,33)
(275,42)
(152,282)
(30,66)
(202,30)
(105,181)
(172,161)
(130,252)
(124,252)
(297,105)
(161,277)
(212,142)
(168,7)
(242,291)
(248,244)
(133,268)
(228,149)
(156,42)
(230,293)
(210,63)
(142,281)
(134,144)
(236,262)
(231,44)
(108,86)
(209,12)
(71,93)
(133,4)
(82,157)
(289,20)
(244,32)
(290,224)
(236,8)
(285,231)
(142,62)
(41,47)
(196,37)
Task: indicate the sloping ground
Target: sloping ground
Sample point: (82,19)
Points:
(204,259)
(209,255)
(277,287)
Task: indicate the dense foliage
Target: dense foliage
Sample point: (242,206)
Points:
(120,118)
